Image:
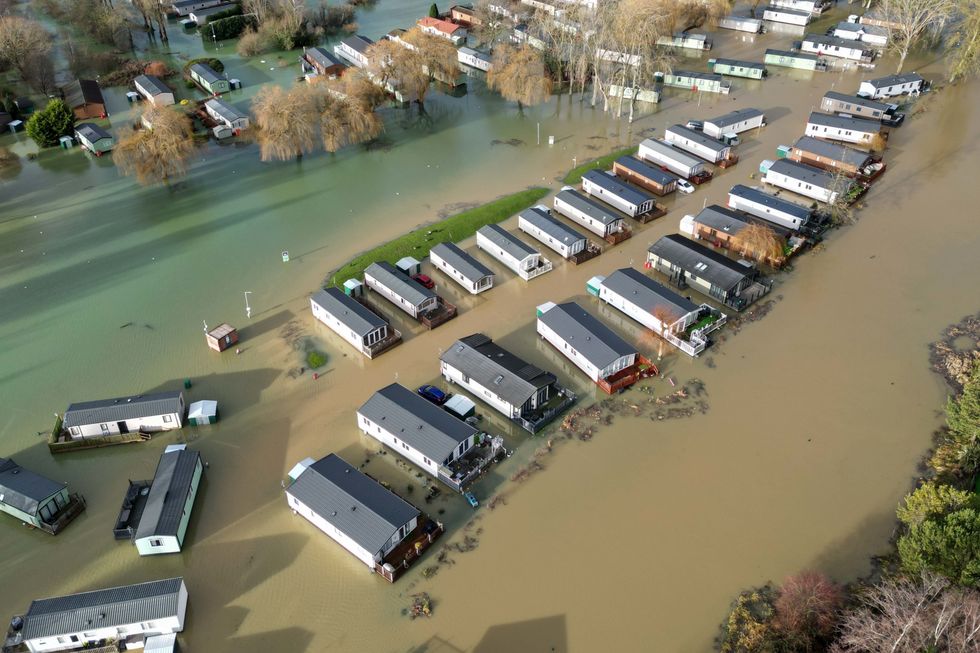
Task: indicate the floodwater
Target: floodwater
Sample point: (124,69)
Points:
(635,540)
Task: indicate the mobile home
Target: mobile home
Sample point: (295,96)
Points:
(588,343)
(590,214)
(787,16)
(166,511)
(93,138)
(185,7)
(354,49)
(226,114)
(734,122)
(836,127)
(798,60)
(154,90)
(723,227)
(33,499)
(695,142)
(869,34)
(474,58)
(402,291)
(513,252)
(606,186)
(162,411)
(805,180)
(892,85)
(704,82)
(741,24)
(323,62)
(835,157)
(673,159)
(736,68)
(686,40)
(769,207)
(645,176)
(462,268)
(859,107)
(361,327)
(208,79)
(815,7)
(539,224)
(830,46)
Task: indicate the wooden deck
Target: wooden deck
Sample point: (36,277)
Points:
(439,315)
(75,507)
(590,252)
(409,550)
(65,443)
(618,237)
(727,163)
(642,369)
(658,211)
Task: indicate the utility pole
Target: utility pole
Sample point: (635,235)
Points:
(248,309)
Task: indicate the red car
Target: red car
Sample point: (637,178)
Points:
(424,281)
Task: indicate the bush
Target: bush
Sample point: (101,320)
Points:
(315,359)
(210,61)
(51,123)
(251,44)
(227,28)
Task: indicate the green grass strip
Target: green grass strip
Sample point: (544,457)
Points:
(453,229)
(602,163)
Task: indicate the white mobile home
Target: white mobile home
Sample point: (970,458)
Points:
(209,79)
(353,509)
(354,49)
(695,142)
(366,331)
(869,34)
(513,387)
(32,498)
(538,223)
(93,138)
(130,613)
(145,413)
(686,40)
(154,90)
(185,7)
(805,180)
(768,207)
(462,268)
(474,59)
(584,340)
(167,510)
(892,85)
(741,24)
(418,430)
(787,16)
(797,60)
(702,82)
(399,289)
(835,127)
(604,185)
(734,122)
(830,46)
(226,114)
(669,157)
(815,7)
(513,252)
(591,215)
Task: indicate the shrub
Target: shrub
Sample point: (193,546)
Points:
(227,28)
(315,359)
(210,61)
(251,44)
(51,123)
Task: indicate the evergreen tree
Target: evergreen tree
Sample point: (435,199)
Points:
(51,123)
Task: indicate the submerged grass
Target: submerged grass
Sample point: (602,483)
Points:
(454,228)
(602,163)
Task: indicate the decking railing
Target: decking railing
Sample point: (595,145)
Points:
(643,368)
(544,265)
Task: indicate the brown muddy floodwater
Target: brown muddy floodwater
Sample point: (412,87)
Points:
(633,541)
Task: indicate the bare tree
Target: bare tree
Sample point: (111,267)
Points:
(964,45)
(431,58)
(22,41)
(807,608)
(159,153)
(344,118)
(697,13)
(911,20)
(760,242)
(286,122)
(490,27)
(519,75)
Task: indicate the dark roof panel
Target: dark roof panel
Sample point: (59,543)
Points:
(172,484)
(122,408)
(697,259)
(24,490)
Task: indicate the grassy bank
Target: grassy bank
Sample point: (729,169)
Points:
(602,163)
(454,228)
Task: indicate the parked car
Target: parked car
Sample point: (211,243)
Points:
(471,499)
(424,281)
(433,394)
(684,186)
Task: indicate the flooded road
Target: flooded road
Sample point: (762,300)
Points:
(635,540)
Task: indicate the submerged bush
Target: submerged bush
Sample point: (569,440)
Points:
(315,359)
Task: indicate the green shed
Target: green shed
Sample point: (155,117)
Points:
(736,68)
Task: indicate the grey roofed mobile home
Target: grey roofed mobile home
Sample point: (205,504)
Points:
(471,269)
(152,84)
(172,483)
(425,427)
(855,104)
(227,111)
(717,269)
(707,142)
(738,117)
(894,80)
(769,203)
(362,508)
(804,173)
(511,244)
(589,207)
(393,279)
(592,339)
(557,229)
(646,293)
(833,151)
(92,132)
(618,188)
(358,43)
(207,73)
(643,169)
(117,606)
(491,366)
(722,219)
(674,158)
(835,121)
(353,314)
(123,408)
(323,57)
(24,490)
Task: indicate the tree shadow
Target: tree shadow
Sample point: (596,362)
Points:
(549,634)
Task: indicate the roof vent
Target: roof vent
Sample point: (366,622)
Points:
(347,471)
(129,400)
(353,508)
(333,514)
(102,615)
(15,471)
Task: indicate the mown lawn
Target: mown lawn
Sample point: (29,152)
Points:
(454,228)
(602,163)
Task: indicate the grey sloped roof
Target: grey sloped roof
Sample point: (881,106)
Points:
(789,53)
(771,201)
(358,43)
(740,63)
(844,122)
(586,334)
(323,57)
(507,241)
(696,75)
(722,219)
(892,80)
(697,259)
(833,151)
(784,10)
(644,169)
(821,39)
(151,84)
(207,73)
(589,207)
(122,408)
(549,225)
(641,290)
(225,110)
(674,153)
(734,117)
(420,423)
(855,99)
(104,608)
(352,313)
(83,91)
(23,489)
(462,262)
(495,368)
(352,502)
(168,493)
(804,173)
(712,144)
(395,280)
(617,187)
(91,132)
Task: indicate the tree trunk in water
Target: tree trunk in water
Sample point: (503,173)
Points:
(901,59)
(162,21)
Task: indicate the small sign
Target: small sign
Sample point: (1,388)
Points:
(285,256)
